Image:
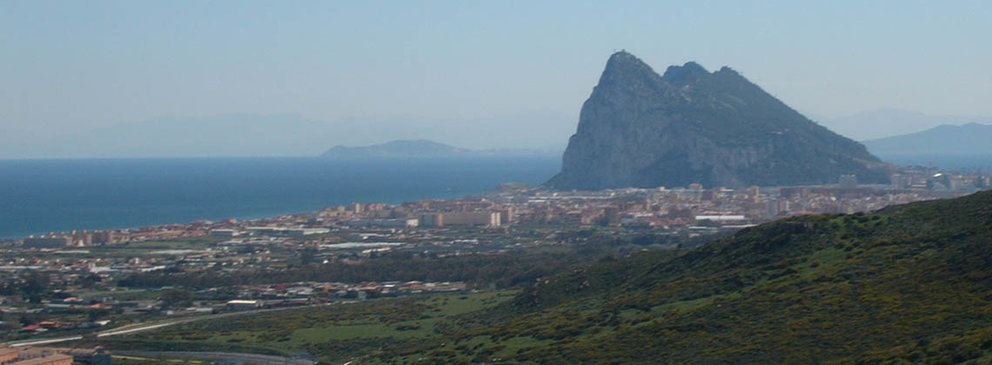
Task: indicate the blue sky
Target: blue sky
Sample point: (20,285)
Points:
(70,66)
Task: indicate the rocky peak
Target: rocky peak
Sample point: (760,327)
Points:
(645,130)
(623,63)
(728,70)
(627,71)
(624,70)
(685,74)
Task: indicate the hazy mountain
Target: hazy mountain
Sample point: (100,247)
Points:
(282,135)
(397,149)
(642,129)
(907,284)
(422,148)
(883,123)
(968,139)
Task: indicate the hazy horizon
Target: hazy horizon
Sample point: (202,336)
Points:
(135,79)
(290,135)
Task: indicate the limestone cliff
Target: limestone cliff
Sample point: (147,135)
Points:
(641,129)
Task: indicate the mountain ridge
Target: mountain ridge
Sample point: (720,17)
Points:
(420,148)
(890,122)
(287,135)
(945,139)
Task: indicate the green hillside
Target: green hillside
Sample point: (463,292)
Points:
(906,284)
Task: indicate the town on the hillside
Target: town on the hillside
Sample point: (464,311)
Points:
(63,286)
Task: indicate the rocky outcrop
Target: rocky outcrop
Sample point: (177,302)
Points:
(641,129)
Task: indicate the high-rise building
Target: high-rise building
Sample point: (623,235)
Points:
(462,219)
(50,241)
(103,237)
(432,220)
(81,238)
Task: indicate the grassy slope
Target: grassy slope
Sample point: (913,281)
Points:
(907,284)
(333,332)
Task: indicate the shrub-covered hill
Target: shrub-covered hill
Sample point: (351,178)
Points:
(910,283)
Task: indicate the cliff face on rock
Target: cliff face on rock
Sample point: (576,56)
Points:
(641,129)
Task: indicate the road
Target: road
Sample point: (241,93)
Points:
(144,327)
(234,357)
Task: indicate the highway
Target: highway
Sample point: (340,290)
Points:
(143,327)
(224,357)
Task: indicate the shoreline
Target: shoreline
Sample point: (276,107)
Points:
(64,195)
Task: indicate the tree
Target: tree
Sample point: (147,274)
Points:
(34,285)
(175,298)
(307,254)
(87,281)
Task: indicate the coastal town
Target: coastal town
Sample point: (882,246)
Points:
(74,283)
(693,207)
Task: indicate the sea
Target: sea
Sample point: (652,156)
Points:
(41,196)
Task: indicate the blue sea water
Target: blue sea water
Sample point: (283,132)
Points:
(40,196)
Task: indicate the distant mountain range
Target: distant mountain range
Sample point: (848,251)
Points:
(968,139)
(642,129)
(397,149)
(881,123)
(422,148)
(252,135)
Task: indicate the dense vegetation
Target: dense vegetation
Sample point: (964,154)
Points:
(342,331)
(501,270)
(908,284)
